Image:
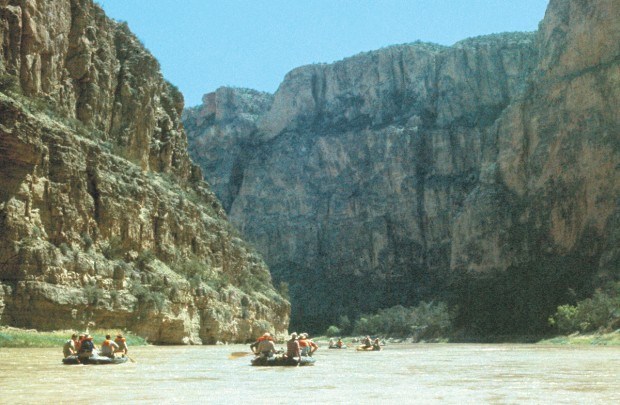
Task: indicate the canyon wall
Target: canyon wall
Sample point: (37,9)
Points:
(104,219)
(484,174)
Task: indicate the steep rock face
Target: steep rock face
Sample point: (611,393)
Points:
(359,168)
(103,217)
(557,155)
(82,65)
(485,174)
(224,148)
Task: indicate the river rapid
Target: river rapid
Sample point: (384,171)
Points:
(400,374)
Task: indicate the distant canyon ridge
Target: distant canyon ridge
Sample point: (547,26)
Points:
(484,174)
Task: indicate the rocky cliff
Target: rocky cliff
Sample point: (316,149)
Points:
(103,217)
(485,173)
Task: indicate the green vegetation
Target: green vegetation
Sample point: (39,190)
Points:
(88,241)
(599,313)
(14,337)
(147,297)
(426,321)
(333,331)
(9,83)
(145,258)
(93,294)
(113,249)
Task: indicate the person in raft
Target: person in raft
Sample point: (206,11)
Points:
(376,344)
(87,348)
(78,343)
(292,348)
(254,346)
(108,347)
(122,344)
(307,346)
(266,347)
(339,343)
(68,349)
(367,342)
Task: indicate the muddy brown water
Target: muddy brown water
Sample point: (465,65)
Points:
(403,373)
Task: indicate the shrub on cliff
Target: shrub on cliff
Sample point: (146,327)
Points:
(113,249)
(9,83)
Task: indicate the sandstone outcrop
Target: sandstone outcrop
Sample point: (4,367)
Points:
(103,216)
(485,173)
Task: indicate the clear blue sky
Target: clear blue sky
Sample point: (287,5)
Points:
(204,44)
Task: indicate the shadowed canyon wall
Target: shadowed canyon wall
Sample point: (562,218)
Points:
(103,217)
(484,174)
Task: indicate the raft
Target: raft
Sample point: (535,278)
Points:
(338,347)
(367,349)
(94,360)
(282,361)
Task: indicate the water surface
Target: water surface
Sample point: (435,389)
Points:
(404,373)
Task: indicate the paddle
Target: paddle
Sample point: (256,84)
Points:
(236,355)
(130,359)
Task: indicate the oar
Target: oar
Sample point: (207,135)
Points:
(130,359)
(236,355)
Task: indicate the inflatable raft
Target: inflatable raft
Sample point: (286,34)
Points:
(281,361)
(94,360)
(338,347)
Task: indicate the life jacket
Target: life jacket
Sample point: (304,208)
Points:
(120,341)
(87,345)
(106,342)
(304,343)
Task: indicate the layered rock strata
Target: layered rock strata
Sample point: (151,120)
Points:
(104,219)
(420,171)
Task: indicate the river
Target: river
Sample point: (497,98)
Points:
(400,374)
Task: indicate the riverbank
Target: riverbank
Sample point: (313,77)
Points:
(594,339)
(16,337)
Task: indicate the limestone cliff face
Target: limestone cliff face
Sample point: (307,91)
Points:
(103,217)
(229,118)
(406,173)
(357,170)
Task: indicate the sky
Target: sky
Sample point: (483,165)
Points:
(205,44)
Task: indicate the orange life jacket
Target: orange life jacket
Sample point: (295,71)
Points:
(120,341)
(106,342)
(303,343)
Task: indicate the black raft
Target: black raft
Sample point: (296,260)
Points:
(281,361)
(94,360)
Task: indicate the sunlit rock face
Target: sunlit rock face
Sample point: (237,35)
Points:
(414,171)
(103,217)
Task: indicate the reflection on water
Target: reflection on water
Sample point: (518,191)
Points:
(447,373)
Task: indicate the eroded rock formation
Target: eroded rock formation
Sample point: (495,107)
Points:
(485,173)
(103,217)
